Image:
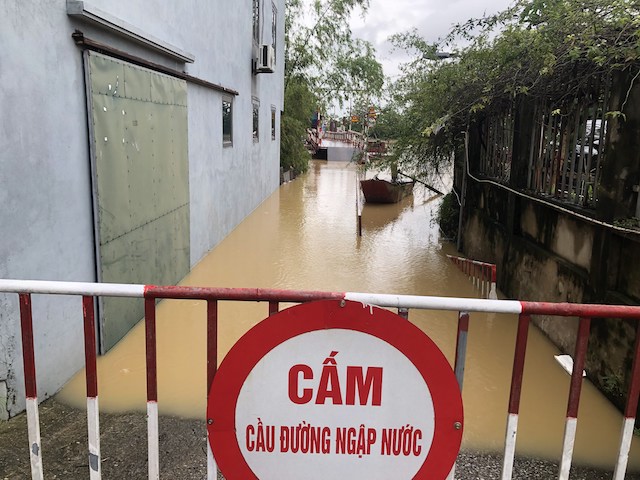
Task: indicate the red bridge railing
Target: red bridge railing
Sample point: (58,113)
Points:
(354,138)
(403,303)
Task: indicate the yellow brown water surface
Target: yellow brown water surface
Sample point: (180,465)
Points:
(305,237)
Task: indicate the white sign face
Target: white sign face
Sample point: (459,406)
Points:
(330,389)
(359,409)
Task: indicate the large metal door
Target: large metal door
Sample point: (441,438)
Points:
(138,129)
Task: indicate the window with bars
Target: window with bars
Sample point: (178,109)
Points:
(227,122)
(566,152)
(256,120)
(273,122)
(256,21)
(274,29)
(564,148)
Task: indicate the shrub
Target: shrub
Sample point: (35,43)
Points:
(447,216)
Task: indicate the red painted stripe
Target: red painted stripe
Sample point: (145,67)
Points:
(494,275)
(463,263)
(212,342)
(463,327)
(248,294)
(463,323)
(580,310)
(90,346)
(578,366)
(634,387)
(28,355)
(273,308)
(463,260)
(518,363)
(252,294)
(459,363)
(150,334)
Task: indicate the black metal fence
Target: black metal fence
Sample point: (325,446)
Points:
(564,144)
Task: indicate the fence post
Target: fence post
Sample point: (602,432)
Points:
(461,346)
(629,413)
(574,398)
(33,417)
(514,396)
(93,417)
(461,353)
(152,389)
(493,293)
(212,367)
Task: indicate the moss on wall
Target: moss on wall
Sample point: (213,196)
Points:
(544,255)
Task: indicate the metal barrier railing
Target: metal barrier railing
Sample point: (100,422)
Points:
(481,274)
(355,138)
(403,303)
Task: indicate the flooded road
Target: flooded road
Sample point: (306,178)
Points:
(304,237)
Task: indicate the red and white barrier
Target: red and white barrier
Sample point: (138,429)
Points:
(514,396)
(274,297)
(28,358)
(629,413)
(93,422)
(481,274)
(574,398)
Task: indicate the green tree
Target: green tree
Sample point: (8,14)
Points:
(388,124)
(299,104)
(549,49)
(321,49)
(324,60)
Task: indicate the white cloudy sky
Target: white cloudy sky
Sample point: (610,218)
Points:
(432,18)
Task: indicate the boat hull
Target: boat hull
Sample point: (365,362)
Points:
(382,191)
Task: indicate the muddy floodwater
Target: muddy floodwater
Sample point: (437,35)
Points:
(305,237)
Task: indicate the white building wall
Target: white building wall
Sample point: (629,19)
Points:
(46,229)
(247,172)
(45,181)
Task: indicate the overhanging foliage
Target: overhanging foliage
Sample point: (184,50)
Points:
(323,64)
(543,49)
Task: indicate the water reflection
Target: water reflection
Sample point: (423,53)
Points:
(379,216)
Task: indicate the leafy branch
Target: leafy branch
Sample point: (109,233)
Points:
(549,50)
(323,63)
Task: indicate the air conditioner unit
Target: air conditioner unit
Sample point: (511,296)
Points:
(266,59)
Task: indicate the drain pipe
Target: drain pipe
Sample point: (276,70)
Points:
(463,196)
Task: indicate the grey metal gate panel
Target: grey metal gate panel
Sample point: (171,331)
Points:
(141,182)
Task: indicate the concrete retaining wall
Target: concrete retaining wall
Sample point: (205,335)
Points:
(545,255)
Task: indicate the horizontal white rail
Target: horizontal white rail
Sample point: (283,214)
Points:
(401,302)
(436,303)
(72,288)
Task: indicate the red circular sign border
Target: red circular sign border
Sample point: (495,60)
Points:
(329,314)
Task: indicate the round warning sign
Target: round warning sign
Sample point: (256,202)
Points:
(335,389)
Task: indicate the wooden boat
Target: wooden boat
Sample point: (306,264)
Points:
(376,190)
